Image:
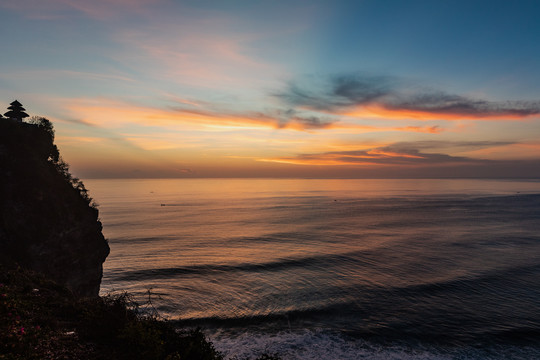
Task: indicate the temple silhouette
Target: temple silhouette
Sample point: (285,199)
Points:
(16,112)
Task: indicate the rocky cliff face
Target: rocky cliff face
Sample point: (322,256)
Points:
(47,221)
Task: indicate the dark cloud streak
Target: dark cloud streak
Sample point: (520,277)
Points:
(340,93)
(435,145)
(401,154)
(389,155)
(278,118)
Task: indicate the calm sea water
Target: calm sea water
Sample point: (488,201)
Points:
(334,269)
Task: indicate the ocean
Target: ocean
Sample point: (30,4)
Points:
(333,269)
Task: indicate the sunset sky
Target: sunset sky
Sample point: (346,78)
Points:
(167,88)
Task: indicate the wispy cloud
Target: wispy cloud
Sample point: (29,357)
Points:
(52,74)
(445,144)
(99,9)
(509,151)
(392,97)
(110,114)
(208,53)
(401,154)
(113,114)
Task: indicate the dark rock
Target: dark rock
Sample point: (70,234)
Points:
(47,221)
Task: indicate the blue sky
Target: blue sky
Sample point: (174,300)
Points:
(163,88)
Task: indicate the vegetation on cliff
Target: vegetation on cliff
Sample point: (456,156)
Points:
(42,320)
(48,222)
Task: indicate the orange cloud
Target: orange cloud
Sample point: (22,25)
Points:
(381,111)
(387,97)
(510,151)
(328,160)
(357,158)
(113,114)
(382,156)
(78,139)
(379,153)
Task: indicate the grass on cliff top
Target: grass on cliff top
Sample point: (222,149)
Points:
(42,320)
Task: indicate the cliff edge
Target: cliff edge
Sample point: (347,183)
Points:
(48,223)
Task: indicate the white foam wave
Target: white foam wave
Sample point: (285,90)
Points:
(307,345)
(321,345)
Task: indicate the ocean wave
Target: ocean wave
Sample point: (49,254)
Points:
(321,344)
(171,272)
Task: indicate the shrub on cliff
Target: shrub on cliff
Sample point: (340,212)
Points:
(42,320)
(48,222)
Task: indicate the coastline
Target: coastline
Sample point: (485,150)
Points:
(43,320)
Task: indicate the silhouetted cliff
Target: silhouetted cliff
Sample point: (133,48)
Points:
(47,221)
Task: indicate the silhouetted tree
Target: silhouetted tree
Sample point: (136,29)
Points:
(16,111)
(44,124)
(47,148)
